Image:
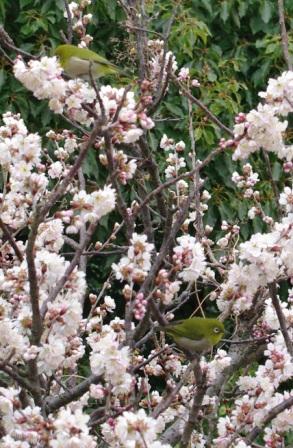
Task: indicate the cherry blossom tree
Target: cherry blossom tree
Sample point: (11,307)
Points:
(77,378)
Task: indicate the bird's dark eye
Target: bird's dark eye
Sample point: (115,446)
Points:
(216,330)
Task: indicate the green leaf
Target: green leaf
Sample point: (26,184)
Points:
(24,3)
(211,216)
(206,4)
(242,210)
(245,231)
(256,24)
(224,11)
(175,110)
(209,136)
(46,116)
(277,171)
(198,133)
(212,77)
(2,77)
(90,165)
(110,7)
(266,11)
(226,212)
(257,225)
(236,19)
(242,9)
(260,74)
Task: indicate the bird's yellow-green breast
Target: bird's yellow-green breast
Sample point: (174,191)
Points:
(78,62)
(196,334)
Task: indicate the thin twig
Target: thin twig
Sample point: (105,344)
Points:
(9,236)
(7,42)
(9,60)
(121,103)
(150,358)
(154,173)
(273,183)
(145,30)
(52,404)
(281,317)
(97,92)
(121,204)
(160,86)
(33,280)
(196,101)
(166,401)
(74,262)
(174,180)
(19,379)
(250,341)
(284,35)
(69,23)
(201,386)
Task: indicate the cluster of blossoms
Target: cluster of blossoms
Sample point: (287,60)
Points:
(139,306)
(133,267)
(201,208)
(27,427)
(166,289)
(279,93)
(160,61)
(44,79)
(175,162)
(109,360)
(259,393)
(62,320)
(87,208)
(231,230)
(125,167)
(246,181)
(286,199)
(65,144)
(133,430)
(263,259)
(220,361)
(189,258)
(262,127)
(184,76)
(20,160)
(80,20)
(90,207)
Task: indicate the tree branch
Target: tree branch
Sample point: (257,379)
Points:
(284,35)
(69,23)
(74,262)
(165,403)
(281,317)
(196,101)
(276,410)
(9,237)
(52,404)
(201,385)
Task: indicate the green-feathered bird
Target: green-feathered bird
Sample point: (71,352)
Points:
(77,62)
(195,335)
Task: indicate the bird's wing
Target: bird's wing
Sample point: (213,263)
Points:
(182,327)
(91,55)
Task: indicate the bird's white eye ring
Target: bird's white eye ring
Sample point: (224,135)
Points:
(216,330)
